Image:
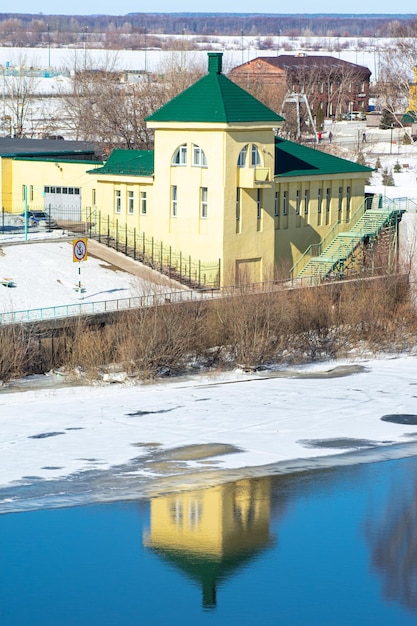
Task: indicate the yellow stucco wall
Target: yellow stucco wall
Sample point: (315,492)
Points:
(35,174)
(226,519)
(296,231)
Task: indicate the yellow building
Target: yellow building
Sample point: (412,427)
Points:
(222,186)
(210,533)
(221,190)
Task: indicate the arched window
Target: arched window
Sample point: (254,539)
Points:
(180,155)
(199,157)
(255,157)
(241,162)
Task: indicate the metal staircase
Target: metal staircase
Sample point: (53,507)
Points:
(336,253)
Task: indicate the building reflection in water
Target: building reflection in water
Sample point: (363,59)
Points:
(393,539)
(211,533)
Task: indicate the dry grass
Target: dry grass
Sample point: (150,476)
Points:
(241,329)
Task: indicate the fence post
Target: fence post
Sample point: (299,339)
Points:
(134,243)
(99,226)
(162,256)
(189,268)
(143,246)
(152,249)
(199,272)
(108,231)
(126,239)
(180,264)
(117,234)
(170,261)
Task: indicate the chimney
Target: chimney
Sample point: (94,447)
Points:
(215,62)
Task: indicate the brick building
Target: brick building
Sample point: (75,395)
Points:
(336,86)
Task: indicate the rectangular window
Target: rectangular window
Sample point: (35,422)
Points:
(204,201)
(23,192)
(65,190)
(238,203)
(70,190)
(318,200)
(297,202)
(143,203)
(340,199)
(118,201)
(276,205)
(306,202)
(284,203)
(93,195)
(58,190)
(328,198)
(174,200)
(46,190)
(348,197)
(31,193)
(77,191)
(130,202)
(258,203)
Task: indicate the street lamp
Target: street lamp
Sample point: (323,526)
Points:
(278,40)
(49,44)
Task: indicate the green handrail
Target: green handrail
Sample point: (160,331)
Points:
(316,249)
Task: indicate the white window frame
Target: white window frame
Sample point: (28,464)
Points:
(276,204)
(237,204)
(203,202)
(143,202)
(258,203)
(255,156)
(174,200)
(130,202)
(285,203)
(199,157)
(117,201)
(241,161)
(180,156)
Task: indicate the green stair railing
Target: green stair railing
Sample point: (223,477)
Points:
(334,256)
(316,249)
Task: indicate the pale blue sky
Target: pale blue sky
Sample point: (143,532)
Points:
(83,7)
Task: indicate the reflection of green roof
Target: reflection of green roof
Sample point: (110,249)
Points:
(215,98)
(293,159)
(128,163)
(208,572)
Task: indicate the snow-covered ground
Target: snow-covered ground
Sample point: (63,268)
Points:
(45,276)
(64,445)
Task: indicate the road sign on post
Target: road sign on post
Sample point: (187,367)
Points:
(79,250)
(79,254)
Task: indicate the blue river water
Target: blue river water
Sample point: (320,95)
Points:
(325,547)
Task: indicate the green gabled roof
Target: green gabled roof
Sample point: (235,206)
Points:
(128,163)
(215,98)
(293,159)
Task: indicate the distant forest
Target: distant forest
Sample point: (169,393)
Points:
(128,31)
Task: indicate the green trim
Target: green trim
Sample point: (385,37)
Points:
(59,160)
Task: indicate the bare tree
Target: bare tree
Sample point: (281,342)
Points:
(105,106)
(398,63)
(19,88)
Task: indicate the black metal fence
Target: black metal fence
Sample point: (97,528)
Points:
(117,235)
